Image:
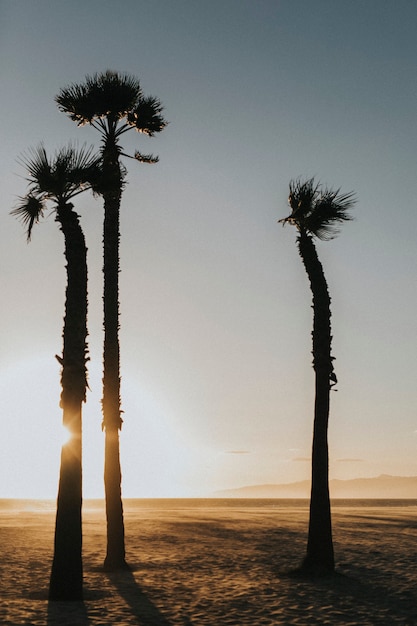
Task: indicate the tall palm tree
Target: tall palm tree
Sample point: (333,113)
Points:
(315,212)
(59,180)
(112,103)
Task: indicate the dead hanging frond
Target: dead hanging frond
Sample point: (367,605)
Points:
(146,158)
(29,212)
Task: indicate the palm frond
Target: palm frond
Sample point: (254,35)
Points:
(115,93)
(83,168)
(147,117)
(76,102)
(104,94)
(67,173)
(40,173)
(317,211)
(29,212)
(302,195)
(146,158)
(331,208)
(300,199)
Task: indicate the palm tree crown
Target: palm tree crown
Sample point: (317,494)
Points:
(113,103)
(67,174)
(316,211)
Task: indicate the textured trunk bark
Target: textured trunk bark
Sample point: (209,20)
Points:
(320,555)
(66,582)
(112,422)
(115,557)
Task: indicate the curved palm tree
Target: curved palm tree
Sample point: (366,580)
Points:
(112,103)
(315,212)
(59,180)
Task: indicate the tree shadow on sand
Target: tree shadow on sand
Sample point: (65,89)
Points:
(348,593)
(67,613)
(143,609)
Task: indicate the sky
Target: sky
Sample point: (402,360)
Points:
(217,382)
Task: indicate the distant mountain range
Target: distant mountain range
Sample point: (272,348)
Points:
(379,487)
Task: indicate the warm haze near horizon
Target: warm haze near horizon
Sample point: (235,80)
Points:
(217,383)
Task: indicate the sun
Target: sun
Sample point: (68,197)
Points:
(65,435)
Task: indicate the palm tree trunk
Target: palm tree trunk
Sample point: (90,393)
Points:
(115,557)
(320,555)
(112,422)
(66,582)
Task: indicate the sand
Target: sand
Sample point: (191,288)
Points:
(212,563)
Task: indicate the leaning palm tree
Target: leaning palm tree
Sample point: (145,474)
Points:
(112,103)
(58,180)
(315,213)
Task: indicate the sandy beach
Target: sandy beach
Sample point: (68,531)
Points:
(213,563)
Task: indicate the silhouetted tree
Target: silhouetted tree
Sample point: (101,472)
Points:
(112,103)
(315,212)
(59,180)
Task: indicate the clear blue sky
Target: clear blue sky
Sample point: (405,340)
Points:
(217,384)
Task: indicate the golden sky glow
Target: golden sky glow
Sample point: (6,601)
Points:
(217,384)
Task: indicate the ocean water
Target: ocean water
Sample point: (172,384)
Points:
(9,505)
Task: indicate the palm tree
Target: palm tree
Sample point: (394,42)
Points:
(112,103)
(315,213)
(59,180)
